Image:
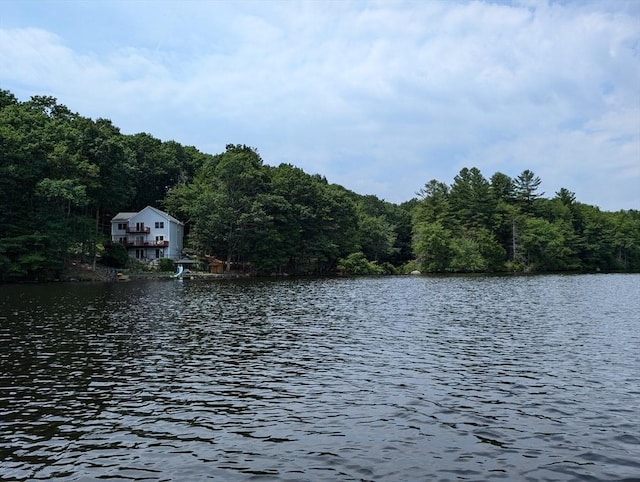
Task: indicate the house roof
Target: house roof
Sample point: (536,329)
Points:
(163,214)
(125,216)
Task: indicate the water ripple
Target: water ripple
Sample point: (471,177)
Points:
(459,378)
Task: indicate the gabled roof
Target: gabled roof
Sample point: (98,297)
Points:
(163,214)
(125,216)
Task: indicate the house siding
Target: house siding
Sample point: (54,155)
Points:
(148,234)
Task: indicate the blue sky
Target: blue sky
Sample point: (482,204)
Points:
(379,96)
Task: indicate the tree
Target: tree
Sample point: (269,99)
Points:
(545,247)
(115,255)
(466,256)
(63,176)
(502,188)
(157,167)
(626,239)
(7,99)
(432,244)
(526,190)
(271,249)
(433,202)
(334,234)
(566,197)
(376,236)
(294,215)
(470,199)
(31,242)
(596,239)
(227,213)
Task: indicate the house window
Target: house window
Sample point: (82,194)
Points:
(159,238)
(160,224)
(122,226)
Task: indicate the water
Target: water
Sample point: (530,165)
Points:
(402,378)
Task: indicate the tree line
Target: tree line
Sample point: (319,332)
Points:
(505,224)
(64,176)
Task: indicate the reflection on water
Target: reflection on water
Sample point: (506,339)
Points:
(469,378)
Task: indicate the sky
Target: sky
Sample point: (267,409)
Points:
(378,96)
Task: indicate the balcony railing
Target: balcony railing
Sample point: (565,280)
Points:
(148,244)
(137,229)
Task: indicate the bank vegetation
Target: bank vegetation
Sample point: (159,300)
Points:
(63,177)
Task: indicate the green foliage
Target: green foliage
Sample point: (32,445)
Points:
(470,201)
(115,255)
(526,190)
(28,257)
(506,225)
(544,246)
(467,257)
(476,251)
(502,187)
(64,176)
(377,237)
(357,264)
(165,265)
(433,245)
(434,202)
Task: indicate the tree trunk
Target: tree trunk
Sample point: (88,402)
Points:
(514,240)
(93,243)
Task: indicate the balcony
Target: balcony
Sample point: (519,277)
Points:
(138,229)
(148,244)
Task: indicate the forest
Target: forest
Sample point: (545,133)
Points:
(64,176)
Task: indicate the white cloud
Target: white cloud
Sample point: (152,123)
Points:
(380,97)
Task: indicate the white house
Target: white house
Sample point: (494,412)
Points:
(148,234)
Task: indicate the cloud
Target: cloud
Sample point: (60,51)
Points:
(380,97)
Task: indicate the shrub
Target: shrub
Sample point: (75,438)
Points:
(115,256)
(358,264)
(165,264)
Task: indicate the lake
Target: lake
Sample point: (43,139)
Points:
(381,379)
